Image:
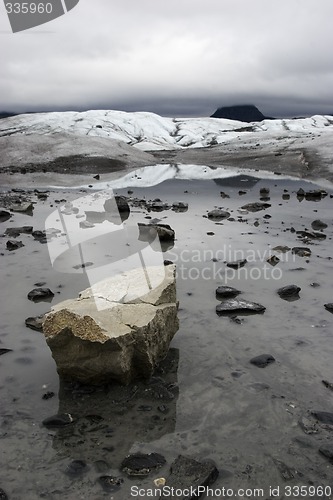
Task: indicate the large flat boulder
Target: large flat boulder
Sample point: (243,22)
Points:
(118,329)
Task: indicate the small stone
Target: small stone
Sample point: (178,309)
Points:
(188,474)
(111,483)
(327,384)
(289,292)
(4,351)
(16,231)
(323,417)
(327,451)
(76,468)
(301,251)
(14,245)
(180,206)
(40,294)
(281,249)
(139,464)
(262,360)
(236,306)
(226,292)
(224,195)
(48,395)
(237,263)
(60,420)
(256,206)
(318,224)
(4,215)
(329,307)
(149,231)
(218,214)
(3,495)
(307,426)
(35,323)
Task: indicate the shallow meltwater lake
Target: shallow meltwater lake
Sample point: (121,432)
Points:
(207,401)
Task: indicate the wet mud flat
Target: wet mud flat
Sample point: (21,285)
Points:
(262,426)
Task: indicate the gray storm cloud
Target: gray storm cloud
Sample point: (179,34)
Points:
(177,57)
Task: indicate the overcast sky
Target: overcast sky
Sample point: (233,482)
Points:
(173,57)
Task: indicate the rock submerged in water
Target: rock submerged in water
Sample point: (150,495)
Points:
(236,306)
(329,307)
(40,294)
(140,464)
(119,329)
(189,474)
(218,214)
(226,292)
(289,292)
(256,206)
(262,360)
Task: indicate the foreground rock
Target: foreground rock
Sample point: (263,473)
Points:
(329,307)
(140,464)
(226,292)
(188,474)
(262,360)
(117,330)
(289,292)
(236,306)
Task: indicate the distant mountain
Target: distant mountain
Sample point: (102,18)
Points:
(6,114)
(242,112)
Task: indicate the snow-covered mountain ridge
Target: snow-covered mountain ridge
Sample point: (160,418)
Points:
(148,131)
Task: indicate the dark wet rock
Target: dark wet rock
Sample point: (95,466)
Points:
(256,206)
(140,464)
(329,307)
(286,196)
(14,245)
(241,192)
(327,451)
(40,236)
(273,260)
(226,292)
(237,306)
(40,295)
(97,177)
(308,426)
(3,495)
(217,214)
(316,194)
(301,251)
(314,235)
(264,191)
(187,473)
(324,417)
(48,395)
(56,421)
(262,360)
(76,468)
(4,351)
(157,206)
(281,249)
(289,292)
(110,483)
(83,266)
(286,472)
(22,207)
(164,231)
(35,323)
(327,384)
(210,233)
(236,264)
(4,215)
(224,195)
(318,224)
(167,262)
(180,206)
(13,232)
